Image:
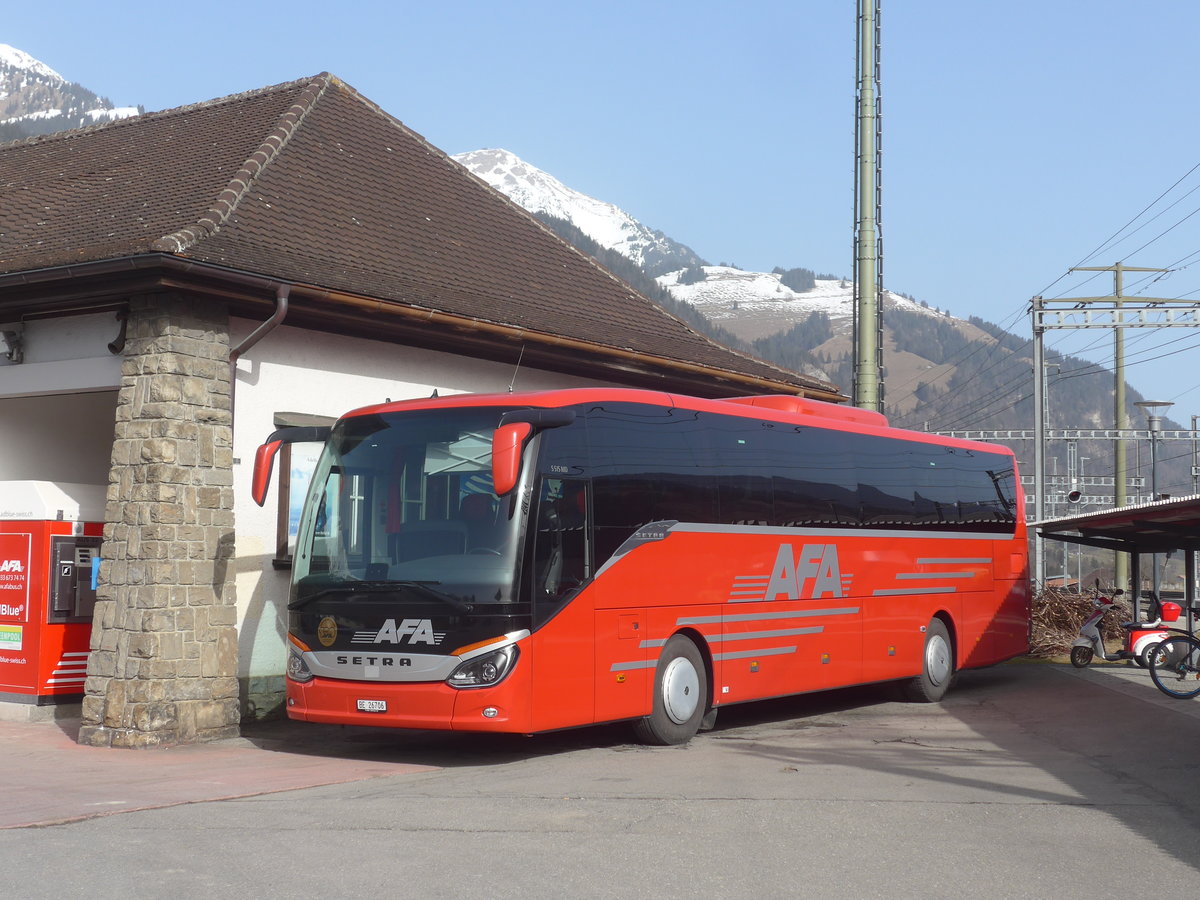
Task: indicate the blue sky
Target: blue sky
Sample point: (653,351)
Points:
(1018,137)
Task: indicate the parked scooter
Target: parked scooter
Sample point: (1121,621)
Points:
(1140,637)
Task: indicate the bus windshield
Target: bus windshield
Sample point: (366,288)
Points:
(401,505)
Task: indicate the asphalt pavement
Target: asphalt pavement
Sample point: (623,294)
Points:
(51,779)
(1028,780)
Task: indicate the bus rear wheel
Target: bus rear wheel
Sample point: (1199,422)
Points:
(937,666)
(680,695)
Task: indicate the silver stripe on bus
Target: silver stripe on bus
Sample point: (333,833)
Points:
(734,654)
(761,596)
(746,635)
(965,561)
(627,666)
(916,576)
(832,531)
(760,617)
(745,654)
(893,592)
(752,635)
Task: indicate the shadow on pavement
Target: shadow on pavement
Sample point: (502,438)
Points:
(1104,738)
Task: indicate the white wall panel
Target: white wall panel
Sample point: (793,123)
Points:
(66,438)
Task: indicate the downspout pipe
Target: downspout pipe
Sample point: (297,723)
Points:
(281,307)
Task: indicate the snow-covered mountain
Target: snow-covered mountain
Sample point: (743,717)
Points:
(753,305)
(606,224)
(34,99)
(750,305)
(760,309)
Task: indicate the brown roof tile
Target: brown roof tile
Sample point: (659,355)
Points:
(311,183)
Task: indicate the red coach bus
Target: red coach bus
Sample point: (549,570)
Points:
(529,562)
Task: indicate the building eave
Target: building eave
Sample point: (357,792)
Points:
(104,284)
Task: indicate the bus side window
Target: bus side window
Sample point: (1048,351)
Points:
(648,464)
(560,558)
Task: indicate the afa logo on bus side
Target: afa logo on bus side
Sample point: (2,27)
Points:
(811,574)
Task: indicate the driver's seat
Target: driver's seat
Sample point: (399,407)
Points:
(478,513)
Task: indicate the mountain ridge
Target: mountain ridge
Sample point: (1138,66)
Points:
(607,224)
(35,99)
(748,310)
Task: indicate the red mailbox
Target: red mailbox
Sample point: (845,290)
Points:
(50,536)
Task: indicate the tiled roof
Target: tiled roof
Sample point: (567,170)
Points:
(309,182)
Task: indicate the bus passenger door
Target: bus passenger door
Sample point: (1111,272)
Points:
(563,639)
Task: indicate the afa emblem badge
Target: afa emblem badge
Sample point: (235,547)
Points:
(327,631)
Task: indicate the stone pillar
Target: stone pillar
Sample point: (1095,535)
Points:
(163,662)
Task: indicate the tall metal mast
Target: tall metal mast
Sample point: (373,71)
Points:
(1120,418)
(868,244)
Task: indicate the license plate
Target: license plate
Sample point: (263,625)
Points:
(372,706)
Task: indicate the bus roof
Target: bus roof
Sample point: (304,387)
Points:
(775,407)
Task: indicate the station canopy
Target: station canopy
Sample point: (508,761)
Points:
(1158,527)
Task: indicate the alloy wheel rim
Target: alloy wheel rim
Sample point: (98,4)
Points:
(681,690)
(937,659)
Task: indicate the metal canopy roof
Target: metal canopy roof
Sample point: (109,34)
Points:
(1141,528)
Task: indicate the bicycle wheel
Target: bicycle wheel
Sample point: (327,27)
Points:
(1175,666)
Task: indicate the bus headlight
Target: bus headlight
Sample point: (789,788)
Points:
(297,668)
(485,670)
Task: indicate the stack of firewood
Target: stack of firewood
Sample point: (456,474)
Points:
(1057,615)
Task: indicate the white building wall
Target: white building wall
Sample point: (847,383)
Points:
(57,406)
(68,354)
(66,437)
(297,371)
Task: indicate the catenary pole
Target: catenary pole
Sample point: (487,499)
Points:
(1039,444)
(1120,417)
(868,391)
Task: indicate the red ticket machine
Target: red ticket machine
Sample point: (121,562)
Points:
(50,535)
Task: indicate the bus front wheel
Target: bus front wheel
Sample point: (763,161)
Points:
(937,666)
(680,695)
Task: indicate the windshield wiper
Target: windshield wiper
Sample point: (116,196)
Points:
(344,587)
(381,587)
(424,588)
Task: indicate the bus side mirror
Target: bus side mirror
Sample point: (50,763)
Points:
(264,458)
(507,443)
(264,462)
